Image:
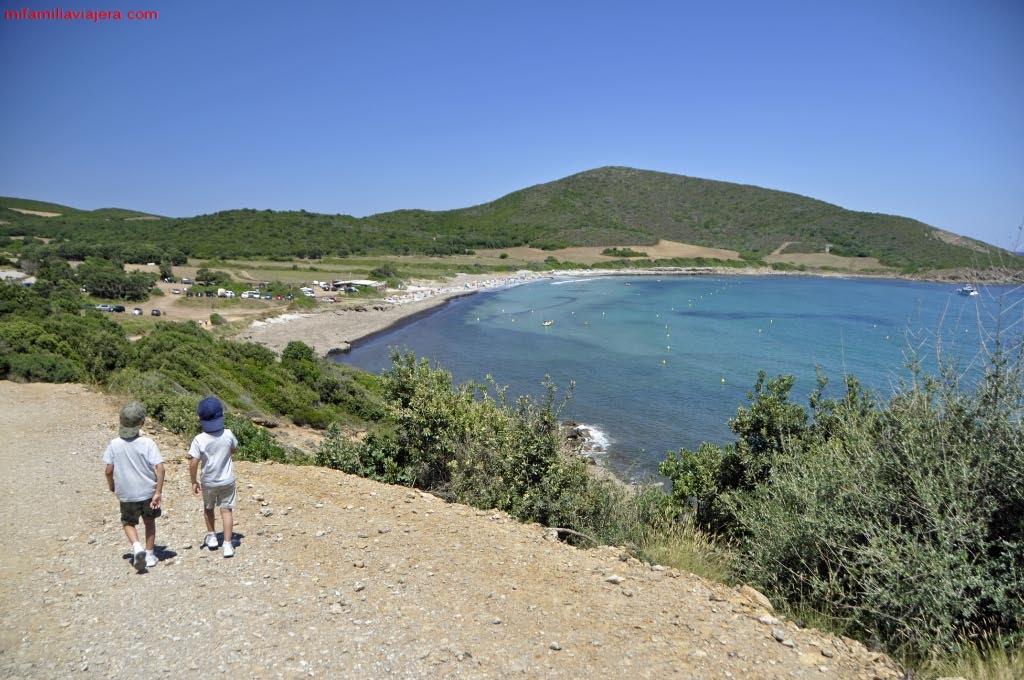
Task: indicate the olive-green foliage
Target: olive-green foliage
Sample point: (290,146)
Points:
(622,252)
(45,337)
(384,272)
(610,206)
(470,444)
(310,391)
(166,401)
(256,444)
(108,280)
(211,277)
(702,478)
(900,522)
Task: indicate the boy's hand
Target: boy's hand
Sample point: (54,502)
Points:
(155,503)
(195,488)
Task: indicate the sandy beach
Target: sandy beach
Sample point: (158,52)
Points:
(337,328)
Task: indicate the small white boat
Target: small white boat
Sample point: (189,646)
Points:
(548,322)
(967,290)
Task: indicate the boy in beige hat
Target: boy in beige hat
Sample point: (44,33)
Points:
(135,473)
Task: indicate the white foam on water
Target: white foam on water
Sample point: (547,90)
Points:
(596,441)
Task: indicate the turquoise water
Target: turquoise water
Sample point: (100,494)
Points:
(663,363)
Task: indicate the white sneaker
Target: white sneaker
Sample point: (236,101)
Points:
(228,550)
(151,559)
(211,541)
(140,559)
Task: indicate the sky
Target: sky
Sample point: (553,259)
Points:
(907,107)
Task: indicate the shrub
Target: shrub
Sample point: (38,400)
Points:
(469,444)
(256,444)
(900,522)
(41,367)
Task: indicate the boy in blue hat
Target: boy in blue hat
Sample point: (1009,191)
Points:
(214,448)
(135,474)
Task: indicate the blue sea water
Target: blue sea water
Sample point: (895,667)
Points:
(663,363)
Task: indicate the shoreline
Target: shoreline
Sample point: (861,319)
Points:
(401,322)
(335,331)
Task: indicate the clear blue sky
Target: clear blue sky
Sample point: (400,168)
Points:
(911,107)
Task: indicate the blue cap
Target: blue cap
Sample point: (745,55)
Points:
(211,415)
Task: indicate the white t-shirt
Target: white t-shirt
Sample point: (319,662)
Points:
(134,464)
(215,453)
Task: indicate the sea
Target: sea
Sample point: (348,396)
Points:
(657,364)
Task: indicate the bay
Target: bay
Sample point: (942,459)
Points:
(661,363)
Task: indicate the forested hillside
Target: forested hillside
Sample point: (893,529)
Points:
(610,206)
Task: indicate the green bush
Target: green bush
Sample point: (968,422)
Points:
(901,522)
(166,401)
(256,444)
(469,444)
(41,367)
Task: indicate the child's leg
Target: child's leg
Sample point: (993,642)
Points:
(150,524)
(132,533)
(227,516)
(208,514)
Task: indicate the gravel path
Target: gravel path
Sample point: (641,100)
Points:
(340,577)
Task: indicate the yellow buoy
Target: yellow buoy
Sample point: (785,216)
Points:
(662,362)
(723,381)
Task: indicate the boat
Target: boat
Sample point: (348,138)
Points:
(967,290)
(548,322)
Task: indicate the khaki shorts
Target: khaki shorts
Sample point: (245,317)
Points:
(131,511)
(223,496)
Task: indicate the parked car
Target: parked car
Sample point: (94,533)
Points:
(103,307)
(117,308)
(187,282)
(176,291)
(137,311)
(155,312)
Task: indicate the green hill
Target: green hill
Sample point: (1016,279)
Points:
(610,206)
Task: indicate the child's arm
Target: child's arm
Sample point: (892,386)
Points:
(155,503)
(110,476)
(193,468)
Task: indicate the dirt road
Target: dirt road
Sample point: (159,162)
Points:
(340,577)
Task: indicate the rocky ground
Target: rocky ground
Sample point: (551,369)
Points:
(337,576)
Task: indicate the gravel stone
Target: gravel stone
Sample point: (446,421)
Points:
(461,594)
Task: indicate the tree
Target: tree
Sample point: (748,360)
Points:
(209,277)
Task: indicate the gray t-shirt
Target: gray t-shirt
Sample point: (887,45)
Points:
(215,453)
(134,462)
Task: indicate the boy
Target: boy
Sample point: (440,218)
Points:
(135,473)
(215,446)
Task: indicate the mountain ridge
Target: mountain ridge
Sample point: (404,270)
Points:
(608,206)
